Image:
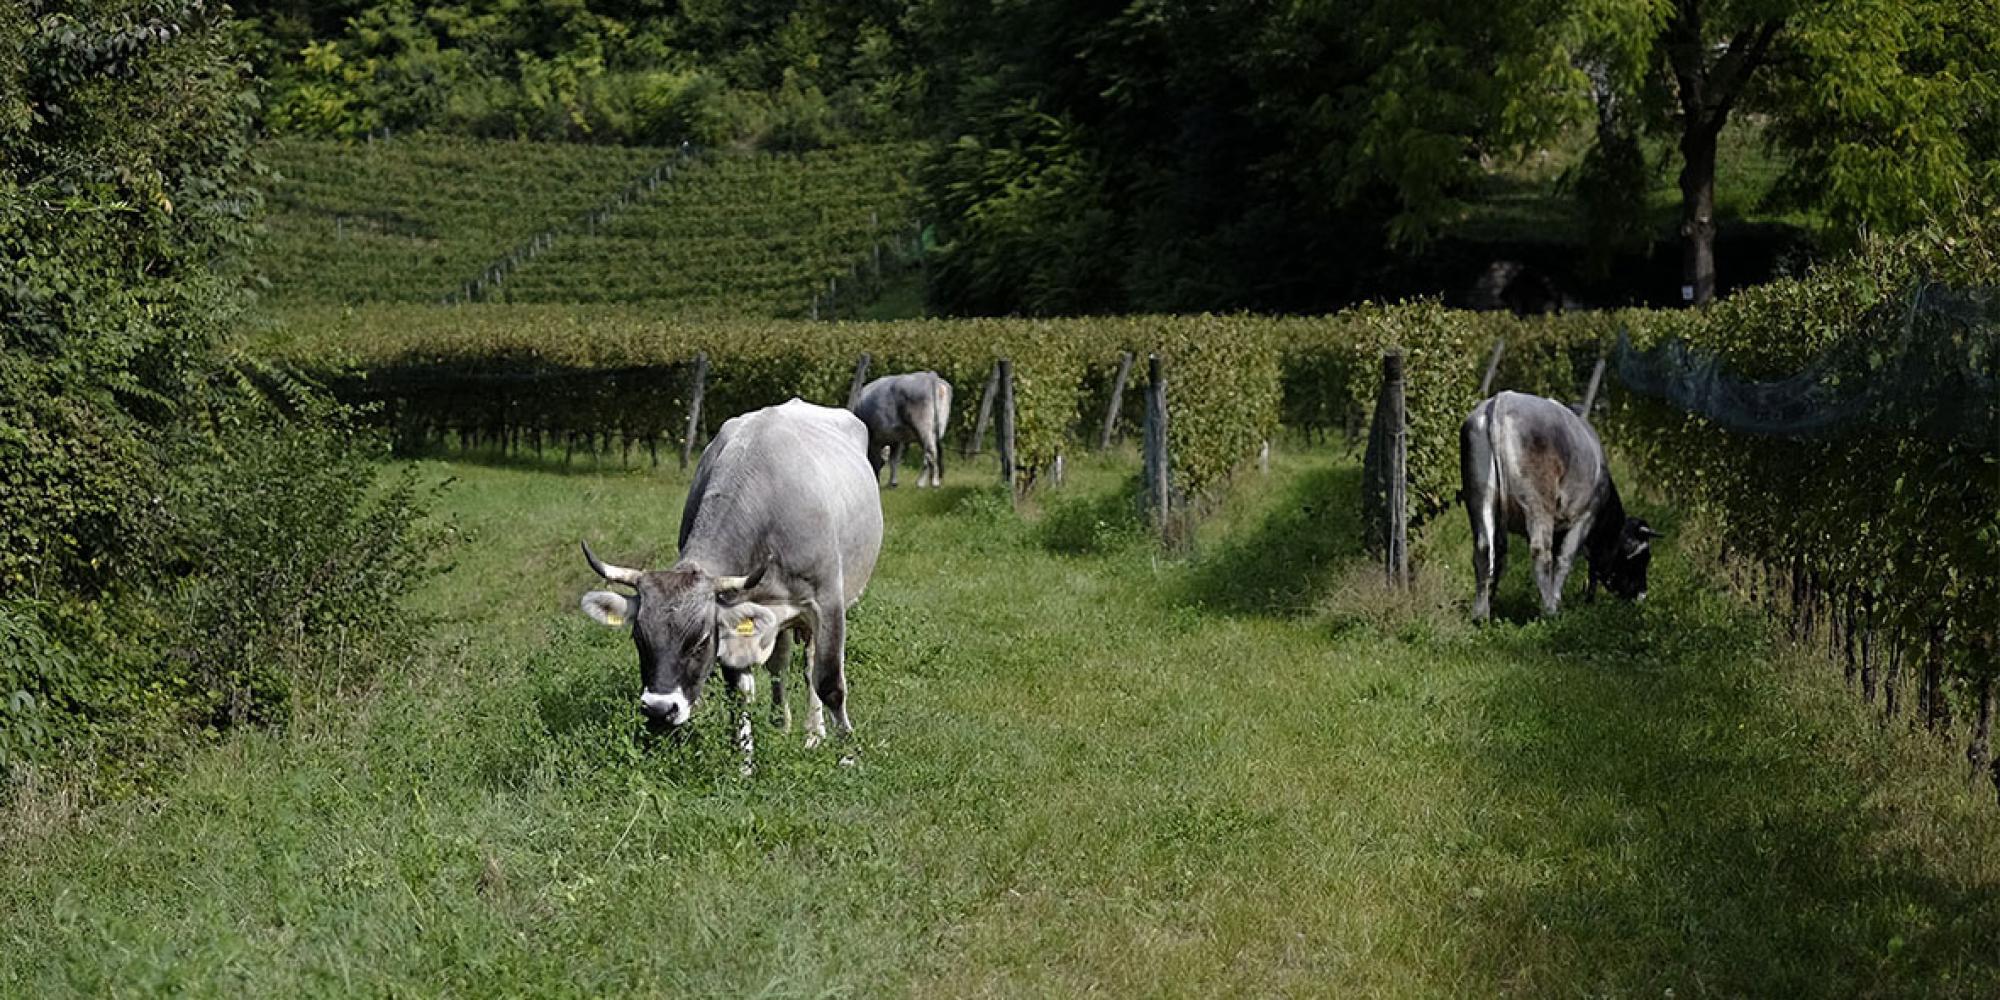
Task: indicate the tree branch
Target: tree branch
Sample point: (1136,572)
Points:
(1684,55)
(1731,75)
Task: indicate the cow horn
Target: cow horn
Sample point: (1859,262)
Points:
(741,582)
(615,574)
(1651,532)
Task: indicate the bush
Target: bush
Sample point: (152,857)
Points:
(32,666)
(182,537)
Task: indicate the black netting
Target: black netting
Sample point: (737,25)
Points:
(1929,362)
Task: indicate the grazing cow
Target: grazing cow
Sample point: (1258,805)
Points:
(899,409)
(779,535)
(1532,466)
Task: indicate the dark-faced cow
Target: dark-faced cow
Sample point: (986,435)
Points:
(899,409)
(779,534)
(1533,467)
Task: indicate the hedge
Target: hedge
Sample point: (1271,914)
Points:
(616,379)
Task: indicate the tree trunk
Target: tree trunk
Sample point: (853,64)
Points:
(1708,89)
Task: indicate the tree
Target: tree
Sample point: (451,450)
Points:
(1887,107)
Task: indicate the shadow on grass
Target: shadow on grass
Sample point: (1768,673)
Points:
(1091,523)
(930,501)
(1280,565)
(1688,831)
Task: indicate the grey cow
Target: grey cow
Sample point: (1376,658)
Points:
(1533,467)
(779,535)
(899,409)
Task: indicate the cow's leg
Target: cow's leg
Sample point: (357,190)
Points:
(829,667)
(895,461)
(1489,553)
(815,714)
(742,685)
(1566,556)
(780,661)
(1541,547)
(927,440)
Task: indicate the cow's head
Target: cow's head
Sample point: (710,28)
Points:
(1624,572)
(683,620)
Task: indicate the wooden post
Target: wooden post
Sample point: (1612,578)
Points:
(694,407)
(1158,467)
(860,379)
(1396,558)
(1590,394)
(1006,376)
(1264,458)
(978,438)
(1492,368)
(1117,399)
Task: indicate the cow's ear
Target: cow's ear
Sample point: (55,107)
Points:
(609,608)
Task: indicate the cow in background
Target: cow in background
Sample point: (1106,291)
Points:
(1533,467)
(899,409)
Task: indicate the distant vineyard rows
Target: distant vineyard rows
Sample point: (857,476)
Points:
(412,220)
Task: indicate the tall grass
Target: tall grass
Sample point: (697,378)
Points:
(1082,768)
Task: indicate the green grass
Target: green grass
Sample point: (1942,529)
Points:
(1082,768)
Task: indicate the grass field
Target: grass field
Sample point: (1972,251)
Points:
(1083,768)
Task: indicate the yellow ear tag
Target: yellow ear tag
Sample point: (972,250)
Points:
(613,618)
(746,627)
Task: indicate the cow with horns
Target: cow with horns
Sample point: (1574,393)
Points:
(779,534)
(1534,467)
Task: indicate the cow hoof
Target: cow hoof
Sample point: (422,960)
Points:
(814,739)
(848,760)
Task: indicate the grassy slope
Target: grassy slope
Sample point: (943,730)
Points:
(413,219)
(1082,769)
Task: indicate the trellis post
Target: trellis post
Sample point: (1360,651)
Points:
(694,406)
(1117,400)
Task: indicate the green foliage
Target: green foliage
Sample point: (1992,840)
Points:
(1891,111)
(605,379)
(728,234)
(1027,226)
(737,236)
(1898,510)
(789,76)
(280,562)
(32,665)
(412,219)
(182,532)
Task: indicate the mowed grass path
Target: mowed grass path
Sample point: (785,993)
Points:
(1082,769)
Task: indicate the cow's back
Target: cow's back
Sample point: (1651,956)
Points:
(790,483)
(888,404)
(1547,460)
